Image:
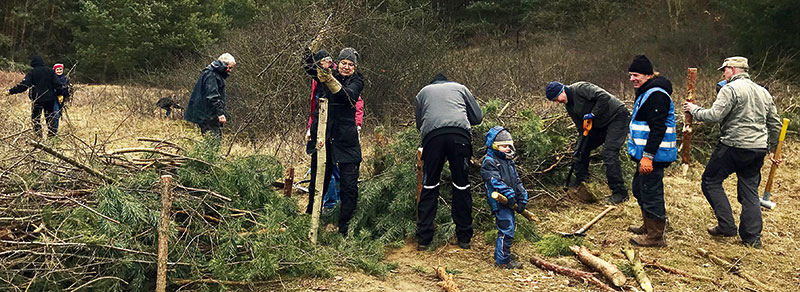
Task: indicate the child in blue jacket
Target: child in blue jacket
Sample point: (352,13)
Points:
(500,175)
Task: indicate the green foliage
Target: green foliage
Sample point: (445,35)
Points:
(552,245)
(766,30)
(117,37)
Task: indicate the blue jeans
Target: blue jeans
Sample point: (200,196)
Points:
(506,223)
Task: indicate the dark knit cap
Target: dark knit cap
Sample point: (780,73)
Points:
(641,64)
(349,54)
(553,89)
(321,54)
(439,77)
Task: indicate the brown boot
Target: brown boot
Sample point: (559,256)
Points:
(654,236)
(638,230)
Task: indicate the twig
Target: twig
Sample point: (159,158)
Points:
(142,149)
(215,194)
(92,210)
(586,276)
(224,282)
(98,279)
(70,161)
(676,271)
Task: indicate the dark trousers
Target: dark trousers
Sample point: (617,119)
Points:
(648,189)
(348,187)
(457,150)
(51,116)
(211,126)
(746,163)
(611,137)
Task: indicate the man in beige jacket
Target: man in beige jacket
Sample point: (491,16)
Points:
(749,128)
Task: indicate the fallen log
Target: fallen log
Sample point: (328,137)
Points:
(448,283)
(577,274)
(733,268)
(609,270)
(638,269)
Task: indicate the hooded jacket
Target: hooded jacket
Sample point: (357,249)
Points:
(499,173)
(42,81)
(445,107)
(605,109)
(341,133)
(746,113)
(208,95)
(655,112)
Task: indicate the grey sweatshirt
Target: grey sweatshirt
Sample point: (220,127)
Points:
(446,107)
(746,113)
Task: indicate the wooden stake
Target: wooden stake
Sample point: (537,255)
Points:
(578,274)
(322,122)
(733,268)
(163,232)
(610,271)
(638,269)
(288,182)
(686,141)
(448,283)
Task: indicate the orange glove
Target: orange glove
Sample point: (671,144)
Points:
(645,165)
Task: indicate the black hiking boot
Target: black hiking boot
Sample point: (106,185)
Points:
(617,198)
(464,245)
(754,244)
(422,247)
(512,264)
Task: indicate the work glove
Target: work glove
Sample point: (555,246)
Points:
(308,135)
(588,116)
(645,165)
(6,93)
(521,206)
(511,202)
(60,99)
(326,76)
(316,42)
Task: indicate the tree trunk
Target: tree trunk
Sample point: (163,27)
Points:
(638,269)
(609,270)
(578,274)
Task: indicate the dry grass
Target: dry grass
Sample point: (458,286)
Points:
(100,114)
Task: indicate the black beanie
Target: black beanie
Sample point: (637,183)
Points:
(641,64)
(321,54)
(553,90)
(439,77)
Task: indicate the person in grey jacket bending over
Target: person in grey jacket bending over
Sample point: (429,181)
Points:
(749,127)
(445,112)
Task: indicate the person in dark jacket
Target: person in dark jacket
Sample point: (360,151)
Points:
(586,102)
(45,87)
(444,112)
(341,87)
(500,175)
(651,143)
(206,106)
(331,197)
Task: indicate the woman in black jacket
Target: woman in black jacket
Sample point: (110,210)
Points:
(342,88)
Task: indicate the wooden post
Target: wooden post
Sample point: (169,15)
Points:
(686,141)
(288,182)
(321,159)
(163,232)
